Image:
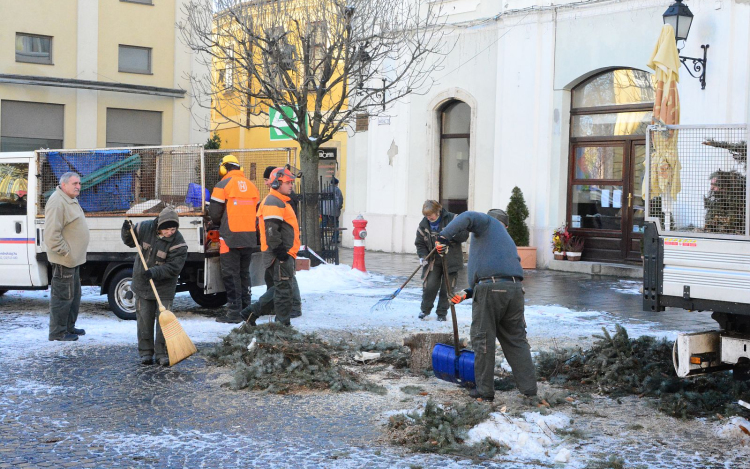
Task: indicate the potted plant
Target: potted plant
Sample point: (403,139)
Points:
(517,229)
(560,238)
(574,248)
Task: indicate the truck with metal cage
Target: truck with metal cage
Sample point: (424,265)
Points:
(117,183)
(696,242)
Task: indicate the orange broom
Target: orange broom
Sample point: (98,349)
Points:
(179,345)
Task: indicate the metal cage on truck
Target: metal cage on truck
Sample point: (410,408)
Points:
(697,238)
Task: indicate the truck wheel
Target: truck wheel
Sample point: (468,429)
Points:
(121,298)
(213,300)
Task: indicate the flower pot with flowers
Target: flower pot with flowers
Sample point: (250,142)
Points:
(560,238)
(574,248)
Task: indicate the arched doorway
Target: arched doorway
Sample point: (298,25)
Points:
(455,129)
(609,116)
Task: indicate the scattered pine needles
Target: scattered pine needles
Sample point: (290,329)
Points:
(443,430)
(280,359)
(618,365)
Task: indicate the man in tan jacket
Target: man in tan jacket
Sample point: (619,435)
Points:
(66,236)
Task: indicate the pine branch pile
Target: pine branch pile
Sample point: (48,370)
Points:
(443,430)
(618,365)
(279,359)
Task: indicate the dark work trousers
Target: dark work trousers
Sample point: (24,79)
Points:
(433,284)
(281,299)
(235,272)
(497,311)
(268,297)
(146,314)
(64,300)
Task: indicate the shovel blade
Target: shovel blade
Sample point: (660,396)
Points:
(448,367)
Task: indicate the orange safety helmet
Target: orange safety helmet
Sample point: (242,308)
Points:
(280,175)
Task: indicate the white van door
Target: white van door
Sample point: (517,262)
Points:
(16,237)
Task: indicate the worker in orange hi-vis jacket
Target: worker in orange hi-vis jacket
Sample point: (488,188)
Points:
(232,209)
(279,239)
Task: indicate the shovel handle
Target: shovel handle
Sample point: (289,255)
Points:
(449,292)
(145,266)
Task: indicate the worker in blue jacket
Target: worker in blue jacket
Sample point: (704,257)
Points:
(495,277)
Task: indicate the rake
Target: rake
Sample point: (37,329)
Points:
(385,303)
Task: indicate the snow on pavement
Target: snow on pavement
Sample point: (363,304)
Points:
(529,438)
(333,298)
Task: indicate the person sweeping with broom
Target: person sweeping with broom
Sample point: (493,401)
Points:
(164,251)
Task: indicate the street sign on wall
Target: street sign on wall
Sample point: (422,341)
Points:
(280,129)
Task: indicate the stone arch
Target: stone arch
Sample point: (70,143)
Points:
(433,111)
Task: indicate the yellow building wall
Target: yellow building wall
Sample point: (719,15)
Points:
(139,25)
(54,18)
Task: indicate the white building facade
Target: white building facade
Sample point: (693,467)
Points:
(529,94)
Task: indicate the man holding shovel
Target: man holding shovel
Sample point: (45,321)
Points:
(495,277)
(165,251)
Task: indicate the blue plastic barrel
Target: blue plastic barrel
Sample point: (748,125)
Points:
(444,362)
(466,367)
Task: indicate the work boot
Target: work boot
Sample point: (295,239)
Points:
(232,317)
(295,314)
(251,320)
(423,314)
(77,331)
(474,393)
(163,361)
(147,360)
(65,338)
(442,318)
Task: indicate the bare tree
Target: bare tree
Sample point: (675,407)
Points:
(319,62)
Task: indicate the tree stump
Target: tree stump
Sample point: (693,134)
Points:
(421,346)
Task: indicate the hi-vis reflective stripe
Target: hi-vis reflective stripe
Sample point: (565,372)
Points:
(216,199)
(273,217)
(359,243)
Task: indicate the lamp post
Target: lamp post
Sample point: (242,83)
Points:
(679,16)
(363,58)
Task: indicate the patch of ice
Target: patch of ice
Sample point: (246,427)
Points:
(629,287)
(30,387)
(733,430)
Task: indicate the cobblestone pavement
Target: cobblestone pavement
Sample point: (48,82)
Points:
(94,406)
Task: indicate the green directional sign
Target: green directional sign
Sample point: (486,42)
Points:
(280,130)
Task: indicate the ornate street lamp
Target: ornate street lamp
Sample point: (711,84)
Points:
(679,16)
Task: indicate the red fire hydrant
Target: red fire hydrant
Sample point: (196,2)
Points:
(360,233)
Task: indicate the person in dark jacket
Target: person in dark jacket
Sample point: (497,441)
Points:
(435,219)
(495,277)
(165,252)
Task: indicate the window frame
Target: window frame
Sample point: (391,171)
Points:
(139,2)
(49,60)
(139,72)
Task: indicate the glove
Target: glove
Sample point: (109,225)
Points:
(441,244)
(148,274)
(461,296)
(127,224)
(422,261)
(281,254)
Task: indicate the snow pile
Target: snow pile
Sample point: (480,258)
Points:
(737,429)
(531,437)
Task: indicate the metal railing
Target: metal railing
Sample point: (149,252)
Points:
(696,180)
